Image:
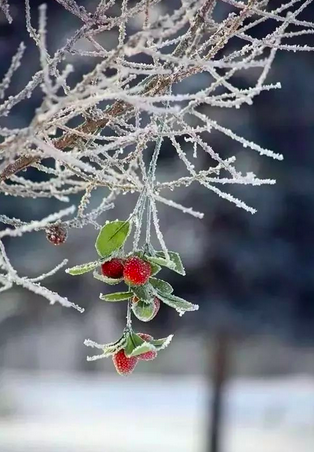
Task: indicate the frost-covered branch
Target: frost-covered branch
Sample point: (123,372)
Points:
(132,102)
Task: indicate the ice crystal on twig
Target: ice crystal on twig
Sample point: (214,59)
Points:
(4,7)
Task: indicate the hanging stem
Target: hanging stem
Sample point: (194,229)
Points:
(129,314)
(148,222)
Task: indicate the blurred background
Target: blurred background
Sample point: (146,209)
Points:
(239,375)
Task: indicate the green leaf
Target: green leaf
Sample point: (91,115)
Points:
(144,348)
(114,347)
(160,344)
(119,296)
(176,262)
(161,285)
(132,341)
(107,280)
(159,261)
(179,304)
(111,237)
(108,349)
(143,311)
(143,292)
(154,268)
(84,268)
(135,345)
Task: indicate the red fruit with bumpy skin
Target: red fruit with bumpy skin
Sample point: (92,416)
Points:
(148,356)
(136,271)
(123,364)
(57,234)
(113,268)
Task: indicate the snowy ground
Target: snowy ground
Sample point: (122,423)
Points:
(149,413)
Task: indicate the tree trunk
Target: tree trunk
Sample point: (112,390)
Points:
(217,376)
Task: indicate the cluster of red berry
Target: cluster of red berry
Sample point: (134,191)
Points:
(125,365)
(144,296)
(135,272)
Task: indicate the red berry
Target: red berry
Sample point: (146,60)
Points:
(113,268)
(136,271)
(57,234)
(145,311)
(123,364)
(145,336)
(148,356)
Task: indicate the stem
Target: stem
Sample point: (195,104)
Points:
(148,222)
(138,212)
(129,314)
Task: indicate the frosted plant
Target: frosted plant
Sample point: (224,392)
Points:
(133,97)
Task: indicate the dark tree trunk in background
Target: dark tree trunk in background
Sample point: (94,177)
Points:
(217,376)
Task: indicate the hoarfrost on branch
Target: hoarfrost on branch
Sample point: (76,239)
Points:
(141,102)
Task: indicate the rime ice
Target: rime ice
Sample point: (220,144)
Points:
(145,103)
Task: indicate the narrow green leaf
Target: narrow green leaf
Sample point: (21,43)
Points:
(159,261)
(144,348)
(161,285)
(160,344)
(143,292)
(137,339)
(115,347)
(155,268)
(107,280)
(84,268)
(108,349)
(132,343)
(179,304)
(111,237)
(135,345)
(119,296)
(176,262)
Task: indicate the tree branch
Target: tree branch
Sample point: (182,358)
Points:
(156,85)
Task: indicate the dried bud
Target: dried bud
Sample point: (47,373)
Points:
(57,234)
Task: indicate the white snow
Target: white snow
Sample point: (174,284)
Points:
(102,412)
